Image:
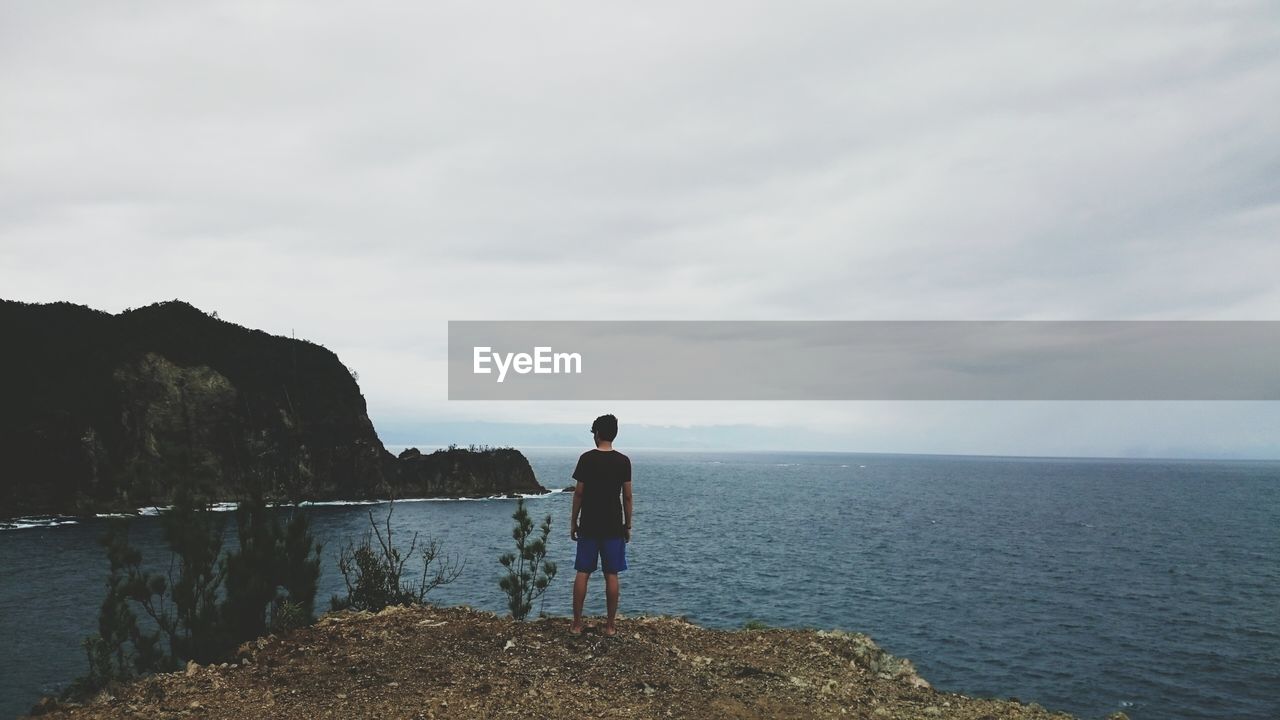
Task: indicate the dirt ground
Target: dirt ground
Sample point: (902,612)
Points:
(425,662)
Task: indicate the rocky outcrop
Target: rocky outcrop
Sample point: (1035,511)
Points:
(424,662)
(102,412)
(466,473)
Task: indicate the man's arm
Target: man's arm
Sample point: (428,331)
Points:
(626,510)
(577,509)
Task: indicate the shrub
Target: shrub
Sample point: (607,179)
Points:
(529,573)
(374,573)
(208,602)
(276,565)
(120,651)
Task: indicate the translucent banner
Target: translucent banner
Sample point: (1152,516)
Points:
(864,360)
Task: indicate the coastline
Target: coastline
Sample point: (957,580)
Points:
(28,522)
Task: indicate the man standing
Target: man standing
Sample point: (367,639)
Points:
(601,519)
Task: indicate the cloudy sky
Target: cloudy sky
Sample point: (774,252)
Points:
(359,174)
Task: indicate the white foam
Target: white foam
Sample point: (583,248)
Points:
(44,521)
(524,496)
(36,521)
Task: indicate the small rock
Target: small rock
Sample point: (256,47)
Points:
(933,711)
(195,705)
(192,668)
(341,696)
(918,682)
(510,644)
(46,705)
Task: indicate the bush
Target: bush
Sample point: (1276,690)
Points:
(276,565)
(120,651)
(529,573)
(374,573)
(208,602)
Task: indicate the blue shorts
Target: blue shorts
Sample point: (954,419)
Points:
(612,551)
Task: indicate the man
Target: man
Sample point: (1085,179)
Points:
(601,519)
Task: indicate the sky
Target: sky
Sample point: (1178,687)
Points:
(360,174)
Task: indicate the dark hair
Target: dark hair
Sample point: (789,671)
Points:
(606,426)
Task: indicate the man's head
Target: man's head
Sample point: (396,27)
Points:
(605,428)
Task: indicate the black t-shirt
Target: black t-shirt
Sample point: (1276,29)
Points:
(602,474)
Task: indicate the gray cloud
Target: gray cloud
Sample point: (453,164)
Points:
(360,175)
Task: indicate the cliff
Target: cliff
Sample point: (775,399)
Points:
(424,662)
(102,412)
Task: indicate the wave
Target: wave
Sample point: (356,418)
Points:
(37,521)
(47,521)
(511,496)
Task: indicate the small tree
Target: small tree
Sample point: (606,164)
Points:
(271,579)
(194,535)
(529,573)
(375,573)
(120,651)
(209,601)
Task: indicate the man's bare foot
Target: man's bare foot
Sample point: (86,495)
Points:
(575,628)
(610,631)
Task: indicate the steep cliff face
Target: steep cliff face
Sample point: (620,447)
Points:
(110,412)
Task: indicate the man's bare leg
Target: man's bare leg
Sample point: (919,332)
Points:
(579,598)
(611,592)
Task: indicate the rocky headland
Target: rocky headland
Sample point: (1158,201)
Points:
(107,413)
(425,662)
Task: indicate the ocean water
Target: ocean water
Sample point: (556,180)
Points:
(1089,586)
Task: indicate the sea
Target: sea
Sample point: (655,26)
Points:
(1089,586)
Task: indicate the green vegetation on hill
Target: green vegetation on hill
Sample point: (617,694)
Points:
(106,412)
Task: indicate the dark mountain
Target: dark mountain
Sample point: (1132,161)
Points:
(106,412)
